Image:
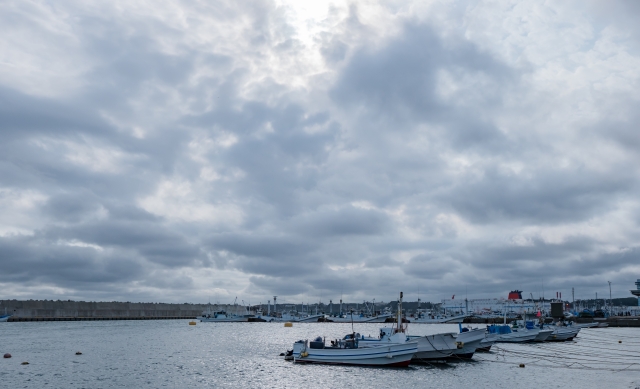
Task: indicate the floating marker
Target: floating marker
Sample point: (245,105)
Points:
(192,323)
(24,363)
(288,324)
(7,355)
(78,353)
(522,365)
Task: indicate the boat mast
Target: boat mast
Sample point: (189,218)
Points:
(399,327)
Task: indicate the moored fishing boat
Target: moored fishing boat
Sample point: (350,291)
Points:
(393,350)
(222,316)
(467,341)
(438,346)
(430,347)
(506,335)
(348,352)
(426,317)
(487,342)
(562,333)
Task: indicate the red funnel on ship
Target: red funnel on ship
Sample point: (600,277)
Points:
(515,295)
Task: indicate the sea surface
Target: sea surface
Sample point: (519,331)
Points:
(173,354)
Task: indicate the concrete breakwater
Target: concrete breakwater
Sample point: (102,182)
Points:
(44,310)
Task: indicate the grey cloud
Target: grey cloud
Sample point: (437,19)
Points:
(148,239)
(29,260)
(401,78)
(553,196)
(429,267)
(344,221)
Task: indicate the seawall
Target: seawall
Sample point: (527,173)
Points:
(44,310)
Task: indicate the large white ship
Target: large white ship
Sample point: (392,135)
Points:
(514,304)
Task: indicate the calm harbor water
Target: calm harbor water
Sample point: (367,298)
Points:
(172,354)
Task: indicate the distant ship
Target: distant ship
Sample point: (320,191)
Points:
(514,304)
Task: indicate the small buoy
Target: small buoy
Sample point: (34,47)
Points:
(78,353)
(192,323)
(7,355)
(619,341)
(522,365)
(282,354)
(288,324)
(24,363)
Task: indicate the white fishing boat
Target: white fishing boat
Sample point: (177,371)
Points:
(222,316)
(562,333)
(430,347)
(506,335)
(467,341)
(348,352)
(487,342)
(434,347)
(529,326)
(426,317)
(543,335)
(360,318)
(438,346)
(298,317)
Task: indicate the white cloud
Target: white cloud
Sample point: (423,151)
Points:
(231,148)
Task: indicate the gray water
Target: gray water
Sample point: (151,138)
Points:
(173,354)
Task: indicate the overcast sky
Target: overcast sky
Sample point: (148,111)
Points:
(193,151)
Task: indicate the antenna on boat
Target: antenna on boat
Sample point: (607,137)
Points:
(352,321)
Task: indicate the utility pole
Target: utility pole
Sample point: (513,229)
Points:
(573,299)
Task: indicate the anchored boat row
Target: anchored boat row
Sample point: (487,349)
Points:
(396,348)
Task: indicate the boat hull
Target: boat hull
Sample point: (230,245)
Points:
(517,337)
(468,342)
(433,347)
(4,318)
(487,342)
(562,334)
(543,335)
(392,355)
